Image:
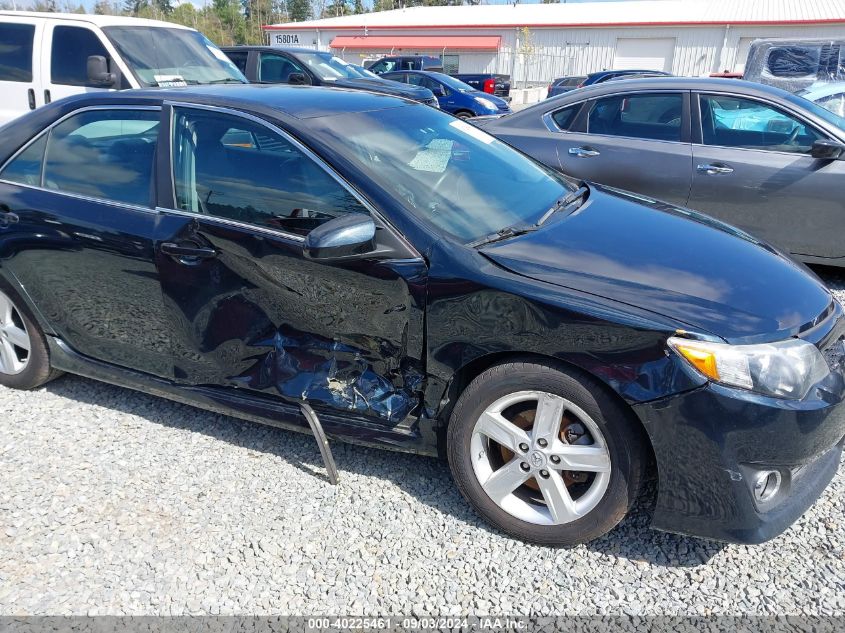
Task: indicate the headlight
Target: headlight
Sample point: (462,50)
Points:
(786,369)
(487,103)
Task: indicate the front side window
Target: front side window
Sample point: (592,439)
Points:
(160,56)
(834,103)
(647,116)
(448,172)
(106,154)
(425,82)
(25,168)
(228,167)
(729,121)
(72,45)
(384,66)
(239,59)
(276,68)
(16,52)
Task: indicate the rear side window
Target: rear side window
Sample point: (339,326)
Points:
(16,52)
(26,166)
(564,117)
(105,154)
(72,45)
(647,116)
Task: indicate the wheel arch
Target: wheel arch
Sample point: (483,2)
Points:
(474,368)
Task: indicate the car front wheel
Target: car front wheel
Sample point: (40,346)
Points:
(544,453)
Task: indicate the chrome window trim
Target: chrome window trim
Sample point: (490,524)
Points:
(72,194)
(698,94)
(235,223)
(298,145)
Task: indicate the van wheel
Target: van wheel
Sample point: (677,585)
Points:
(24,357)
(544,453)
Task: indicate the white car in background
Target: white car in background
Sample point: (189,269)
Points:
(830,96)
(47,56)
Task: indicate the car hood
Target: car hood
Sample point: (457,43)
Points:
(706,275)
(417,93)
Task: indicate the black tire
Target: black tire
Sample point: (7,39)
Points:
(622,433)
(464,114)
(37,371)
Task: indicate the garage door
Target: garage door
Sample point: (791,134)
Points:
(644,53)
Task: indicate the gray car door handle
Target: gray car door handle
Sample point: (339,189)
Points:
(712,170)
(584,152)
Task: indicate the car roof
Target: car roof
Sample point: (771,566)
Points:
(301,102)
(98,20)
(274,49)
(667,82)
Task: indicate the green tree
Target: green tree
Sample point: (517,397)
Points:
(299,10)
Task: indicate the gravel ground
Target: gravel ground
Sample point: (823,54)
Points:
(114,502)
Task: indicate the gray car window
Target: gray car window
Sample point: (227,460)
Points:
(648,116)
(229,167)
(564,117)
(729,121)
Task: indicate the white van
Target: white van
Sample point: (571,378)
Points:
(47,56)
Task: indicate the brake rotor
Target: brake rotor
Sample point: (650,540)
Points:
(571,432)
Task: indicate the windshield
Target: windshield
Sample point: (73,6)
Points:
(366,74)
(172,57)
(819,111)
(454,84)
(444,170)
(328,67)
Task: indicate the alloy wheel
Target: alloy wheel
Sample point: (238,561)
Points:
(540,457)
(15,343)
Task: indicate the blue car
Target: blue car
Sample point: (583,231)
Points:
(454,95)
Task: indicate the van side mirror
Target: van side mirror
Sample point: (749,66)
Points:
(298,79)
(344,236)
(98,72)
(827,150)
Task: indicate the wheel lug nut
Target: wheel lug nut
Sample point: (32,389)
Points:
(523,447)
(544,474)
(543,443)
(555,459)
(524,466)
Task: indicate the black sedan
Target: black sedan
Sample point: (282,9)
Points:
(380,270)
(308,67)
(755,156)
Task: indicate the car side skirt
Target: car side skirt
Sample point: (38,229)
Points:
(409,436)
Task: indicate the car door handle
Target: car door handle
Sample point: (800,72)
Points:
(715,168)
(584,152)
(184,251)
(30,94)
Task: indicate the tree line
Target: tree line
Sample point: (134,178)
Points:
(227,22)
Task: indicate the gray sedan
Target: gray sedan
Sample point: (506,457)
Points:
(755,156)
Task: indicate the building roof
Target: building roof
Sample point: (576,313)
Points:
(99,20)
(590,14)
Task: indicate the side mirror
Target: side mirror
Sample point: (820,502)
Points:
(440,91)
(827,150)
(98,72)
(344,236)
(298,79)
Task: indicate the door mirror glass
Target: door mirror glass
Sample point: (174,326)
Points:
(298,79)
(98,71)
(827,150)
(345,236)
(439,91)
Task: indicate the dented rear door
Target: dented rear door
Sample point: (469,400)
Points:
(249,311)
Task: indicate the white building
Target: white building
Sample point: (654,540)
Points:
(537,42)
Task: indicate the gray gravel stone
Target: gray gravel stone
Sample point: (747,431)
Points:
(115,502)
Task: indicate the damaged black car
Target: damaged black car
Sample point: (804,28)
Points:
(376,270)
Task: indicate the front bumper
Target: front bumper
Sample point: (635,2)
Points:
(711,443)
